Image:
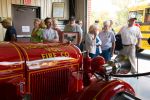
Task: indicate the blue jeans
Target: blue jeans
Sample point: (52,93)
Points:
(97,51)
(106,54)
(80,46)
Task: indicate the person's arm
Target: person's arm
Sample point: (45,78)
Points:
(80,33)
(44,36)
(13,38)
(120,31)
(13,34)
(55,39)
(33,34)
(113,39)
(139,36)
(138,42)
(51,41)
(66,28)
(90,40)
(99,43)
(113,48)
(59,34)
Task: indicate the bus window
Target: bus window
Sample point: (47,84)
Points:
(132,13)
(147,15)
(138,14)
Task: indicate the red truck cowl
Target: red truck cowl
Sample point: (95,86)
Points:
(50,71)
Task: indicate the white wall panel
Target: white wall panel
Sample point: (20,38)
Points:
(4,8)
(0,7)
(8,8)
(80,13)
(46,9)
(49,8)
(16,1)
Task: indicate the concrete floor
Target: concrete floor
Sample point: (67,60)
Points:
(141,85)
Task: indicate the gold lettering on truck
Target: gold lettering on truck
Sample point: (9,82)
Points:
(50,55)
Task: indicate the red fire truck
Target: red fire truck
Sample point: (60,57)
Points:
(55,71)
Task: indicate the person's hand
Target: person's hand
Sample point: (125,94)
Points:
(94,35)
(112,54)
(138,46)
(98,45)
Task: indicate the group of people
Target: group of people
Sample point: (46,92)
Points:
(42,32)
(46,31)
(51,32)
(103,42)
(100,42)
(95,42)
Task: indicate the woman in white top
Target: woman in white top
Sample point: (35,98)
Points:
(49,34)
(90,41)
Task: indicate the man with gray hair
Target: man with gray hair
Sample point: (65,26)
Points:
(108,41)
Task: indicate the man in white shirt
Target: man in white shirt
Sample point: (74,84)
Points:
(131,37)
(49,34)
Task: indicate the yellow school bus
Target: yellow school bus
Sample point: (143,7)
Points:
(142,12)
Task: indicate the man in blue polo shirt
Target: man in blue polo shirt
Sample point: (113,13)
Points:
(10,34)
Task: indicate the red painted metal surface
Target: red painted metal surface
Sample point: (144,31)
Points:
(11,59)
(12,63)
(50,71)
(50,67)
(47,71)
(103,90)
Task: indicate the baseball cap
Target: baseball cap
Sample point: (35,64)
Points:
(132,17)
(72,18)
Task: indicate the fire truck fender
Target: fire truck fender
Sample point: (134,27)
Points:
(104,90)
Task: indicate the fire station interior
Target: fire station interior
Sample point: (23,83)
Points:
(23,14)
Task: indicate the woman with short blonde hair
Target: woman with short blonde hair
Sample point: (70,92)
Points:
(36,35)
(90,40)
(49,34)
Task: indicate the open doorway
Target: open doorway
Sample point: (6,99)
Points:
(23,17)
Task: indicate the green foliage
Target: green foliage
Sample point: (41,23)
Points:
(121,14)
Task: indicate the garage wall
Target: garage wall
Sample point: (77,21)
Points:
(81,12)
(46,9)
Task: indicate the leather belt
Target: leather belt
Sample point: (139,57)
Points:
(128,45)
